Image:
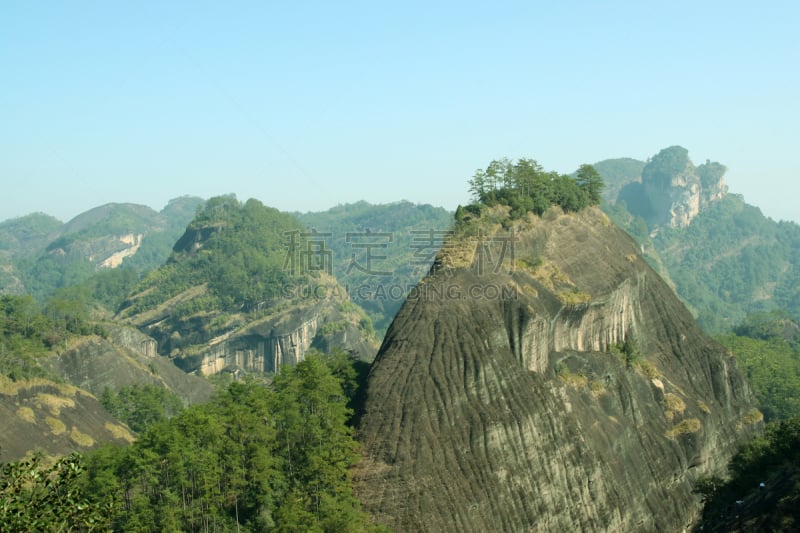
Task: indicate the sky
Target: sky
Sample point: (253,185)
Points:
(306,105)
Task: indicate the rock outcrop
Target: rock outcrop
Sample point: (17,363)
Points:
(562,388)
(124,358)
(240,292)
(264,345)
(673,191)
(132,244)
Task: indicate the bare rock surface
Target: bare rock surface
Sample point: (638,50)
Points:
(563,388)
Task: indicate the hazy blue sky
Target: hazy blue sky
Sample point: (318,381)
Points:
(305,105)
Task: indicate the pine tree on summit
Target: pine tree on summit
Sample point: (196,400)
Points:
(591,182)
(526,187)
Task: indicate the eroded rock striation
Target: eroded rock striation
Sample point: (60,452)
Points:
(561,387)
(264,345)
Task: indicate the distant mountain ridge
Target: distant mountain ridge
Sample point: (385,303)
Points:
(381,251)
(724,258)
(39,254)
(722,255)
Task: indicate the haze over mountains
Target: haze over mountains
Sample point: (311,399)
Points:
(540,371)
(724,257)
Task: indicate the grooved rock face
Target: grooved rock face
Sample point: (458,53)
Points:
(284,338)
(512,409)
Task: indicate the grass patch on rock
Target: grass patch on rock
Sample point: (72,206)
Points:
(685,427)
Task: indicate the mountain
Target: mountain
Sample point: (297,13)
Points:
(672,191)
(381,251)
(54,365)
(617,173)
(19,237)
(30,232)
(544,377)
(124,357)
(64,413)
(724,258)
(246,288)
(38,254)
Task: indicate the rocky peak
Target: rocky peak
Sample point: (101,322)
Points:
(557,386)
(676,190)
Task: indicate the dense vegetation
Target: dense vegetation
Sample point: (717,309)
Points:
(141,406)
(43,274)
(36,495)
(259,456)
(28,331)
(666,164)
(526,187)
(380,251)
(237,250)
(762,491)
(746,263)
(104,291)
(767,349)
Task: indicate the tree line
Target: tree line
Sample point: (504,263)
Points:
(29,330)
(525,186)
(263,455)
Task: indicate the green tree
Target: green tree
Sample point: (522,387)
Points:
(526,187)
(590,182)
(315,443)
(141,406)
(260,456)
(477,185)
(37,497)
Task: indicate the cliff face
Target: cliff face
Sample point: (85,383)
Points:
(676,190)
(242,292)
(264,345)
(564,388)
